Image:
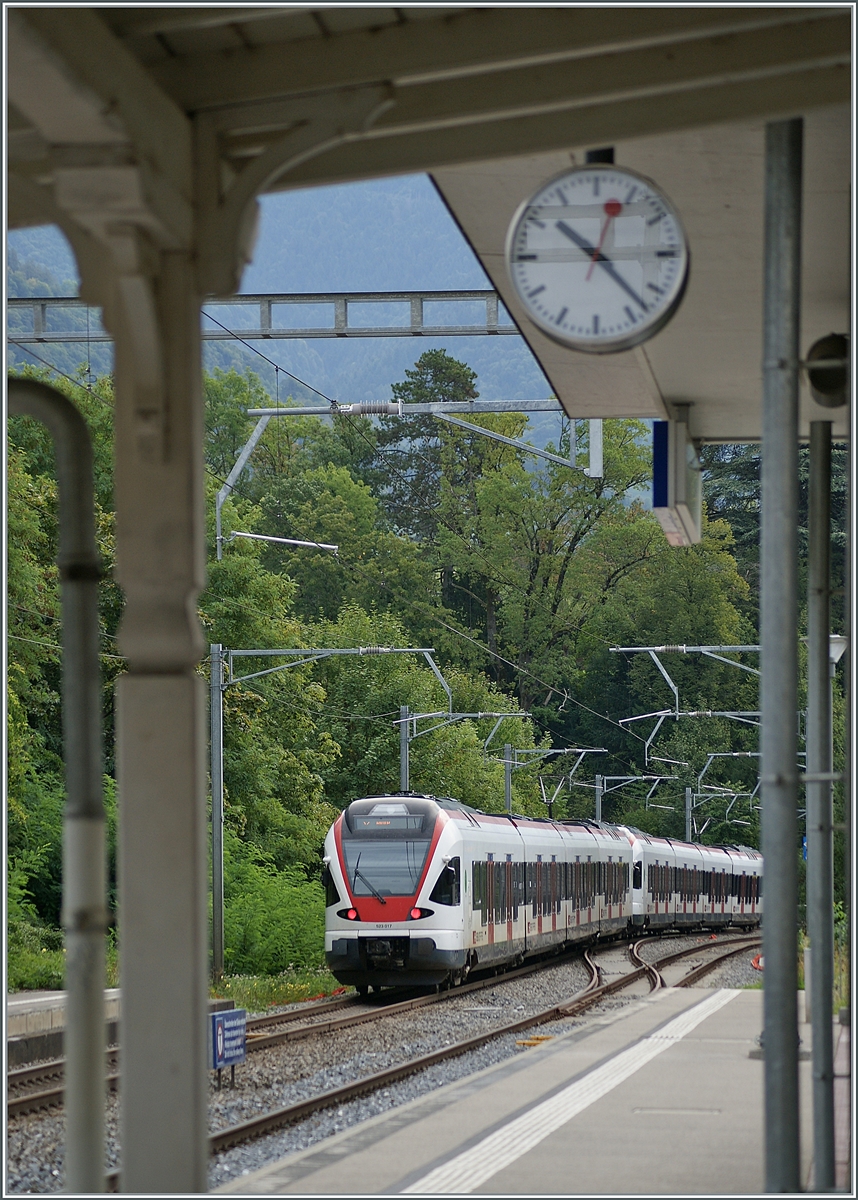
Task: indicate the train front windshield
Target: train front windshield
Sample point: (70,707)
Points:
(385,847)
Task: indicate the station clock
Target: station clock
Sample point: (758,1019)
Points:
(598,258)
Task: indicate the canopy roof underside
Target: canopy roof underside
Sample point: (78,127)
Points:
(151,117)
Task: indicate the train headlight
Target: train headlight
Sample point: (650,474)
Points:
(350,914)
(417,914)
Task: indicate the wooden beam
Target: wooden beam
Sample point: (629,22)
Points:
(474,41)
(138,22)
(74,46)
(630,76)
(601,123)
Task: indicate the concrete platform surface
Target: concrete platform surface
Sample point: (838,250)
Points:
(661,1097)
(37,1012)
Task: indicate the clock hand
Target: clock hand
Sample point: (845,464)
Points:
(612,209)
(601,259)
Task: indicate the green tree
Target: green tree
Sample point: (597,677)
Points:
(412,446)
(364,696)
(540,550)
(273,750)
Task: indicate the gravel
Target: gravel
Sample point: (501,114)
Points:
(736,972)
(285,1074)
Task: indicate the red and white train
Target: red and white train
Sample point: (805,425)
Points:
(423,890)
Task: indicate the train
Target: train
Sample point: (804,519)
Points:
(422,890)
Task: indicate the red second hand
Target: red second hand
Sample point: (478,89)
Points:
(613,208)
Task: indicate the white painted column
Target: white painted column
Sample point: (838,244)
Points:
(161,732)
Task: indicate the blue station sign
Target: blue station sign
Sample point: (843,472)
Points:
(228,1032)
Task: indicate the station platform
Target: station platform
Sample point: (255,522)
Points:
(36,1021)
(663,1097)
(39,1012)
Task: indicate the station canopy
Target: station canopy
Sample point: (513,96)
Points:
(491,102)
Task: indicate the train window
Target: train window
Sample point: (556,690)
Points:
(446,889)
(384,866)
(332,895)
(478,880)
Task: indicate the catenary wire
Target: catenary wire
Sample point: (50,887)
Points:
(424,508)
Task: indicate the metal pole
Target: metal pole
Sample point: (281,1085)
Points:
(216,709)
(84,915)
(778,637)
(507,777)
(403,749)
(848,710)
(688,814)
(598,797)
(820,898)
(240,463)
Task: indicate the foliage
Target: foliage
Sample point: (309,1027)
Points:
(521,575)
(412,445)
(257,993)
(273,919)
(364,698)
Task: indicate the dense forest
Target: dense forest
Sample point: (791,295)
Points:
(521,574)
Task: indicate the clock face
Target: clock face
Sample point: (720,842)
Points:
(599,259)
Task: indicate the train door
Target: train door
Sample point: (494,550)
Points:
(553,889)
(490,897)
(508,890)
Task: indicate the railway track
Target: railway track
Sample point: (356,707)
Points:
(290,1114)
(587,998)
(257,1039)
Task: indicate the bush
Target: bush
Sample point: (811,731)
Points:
(273,920)
(35,959)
